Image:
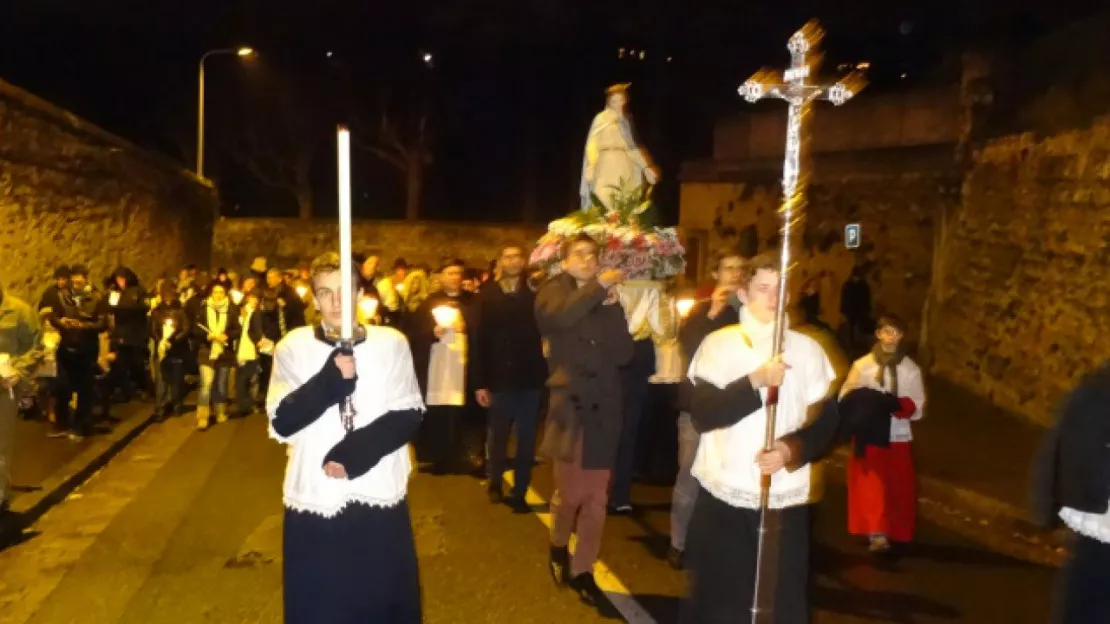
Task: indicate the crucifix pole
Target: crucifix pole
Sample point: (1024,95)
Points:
(799,94)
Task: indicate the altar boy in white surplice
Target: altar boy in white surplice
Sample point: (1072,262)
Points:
(731,373)
(348,550)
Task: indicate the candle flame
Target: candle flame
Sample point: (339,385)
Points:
(369,307)
(684,306)
(302,291)
(445,315)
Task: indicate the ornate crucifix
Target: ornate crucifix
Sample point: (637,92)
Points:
(794,87)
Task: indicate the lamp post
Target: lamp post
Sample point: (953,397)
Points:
(242,52)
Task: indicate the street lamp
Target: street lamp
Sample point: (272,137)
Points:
(243,52)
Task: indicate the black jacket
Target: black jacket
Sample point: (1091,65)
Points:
(867,414)
(588,343)
(1072,468)
(270,312)
(80,318)
(508,352)
(51,297)
(697,326)
(420,331)
(130,312)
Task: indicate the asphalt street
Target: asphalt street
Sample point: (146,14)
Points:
(185,527)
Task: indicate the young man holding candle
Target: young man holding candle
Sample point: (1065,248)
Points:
(80,318)
(732,373)
(170,331)
(707,316)
(580,317)
(349,554)
(439,332)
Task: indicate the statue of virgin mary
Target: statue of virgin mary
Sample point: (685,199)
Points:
(613,162)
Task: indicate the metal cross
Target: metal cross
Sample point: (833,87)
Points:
(799,95)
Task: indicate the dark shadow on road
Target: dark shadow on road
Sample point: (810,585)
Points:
(656,544)
(830,560)
(663,609)
(880,606)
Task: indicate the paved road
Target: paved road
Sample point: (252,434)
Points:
(184,527)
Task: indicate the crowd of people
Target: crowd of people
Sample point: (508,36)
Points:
(454,360)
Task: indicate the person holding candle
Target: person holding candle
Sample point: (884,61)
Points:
(129,334)
(217,328)
(439,331)
(705,317)
(247,354)
(581,319)
(80,318)
(349,552)
(169,329)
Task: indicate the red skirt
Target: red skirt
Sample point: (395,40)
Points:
(882,493)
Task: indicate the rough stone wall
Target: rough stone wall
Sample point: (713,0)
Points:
(896,210)
(72,193)
(1023,290)
(870,121)
(288,243)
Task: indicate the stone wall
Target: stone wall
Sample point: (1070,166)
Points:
(72,193)
(870,121)
(894,195)
(1020,309)
(289,243)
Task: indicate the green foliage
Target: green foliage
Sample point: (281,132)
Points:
(632,207)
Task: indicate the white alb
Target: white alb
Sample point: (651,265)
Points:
(386,382)
(725,462)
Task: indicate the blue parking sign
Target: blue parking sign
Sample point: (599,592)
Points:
(851,236)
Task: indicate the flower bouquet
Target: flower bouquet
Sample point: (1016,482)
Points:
(626,238)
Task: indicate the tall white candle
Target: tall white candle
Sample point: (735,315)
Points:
(346,331)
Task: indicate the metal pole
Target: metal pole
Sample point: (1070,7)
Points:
(200,120)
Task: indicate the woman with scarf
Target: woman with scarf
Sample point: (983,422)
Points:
(217,328)
(882,493)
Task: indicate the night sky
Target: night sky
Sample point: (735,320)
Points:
(510,95)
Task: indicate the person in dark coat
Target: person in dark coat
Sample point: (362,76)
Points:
(217,328)
(1072,484)
(588,341)
(80,319)
(52,296)
(439,355)
(508,370)
(170,330)
(855,307)
(130,333)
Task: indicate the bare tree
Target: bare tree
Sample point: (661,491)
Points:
(279,141)
(407,152)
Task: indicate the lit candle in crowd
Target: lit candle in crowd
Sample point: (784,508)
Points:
(113,298)
(445,315)
(684,306)
(369,307)
(302,290)
(236,297)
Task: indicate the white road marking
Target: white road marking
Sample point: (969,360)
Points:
(618,594)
